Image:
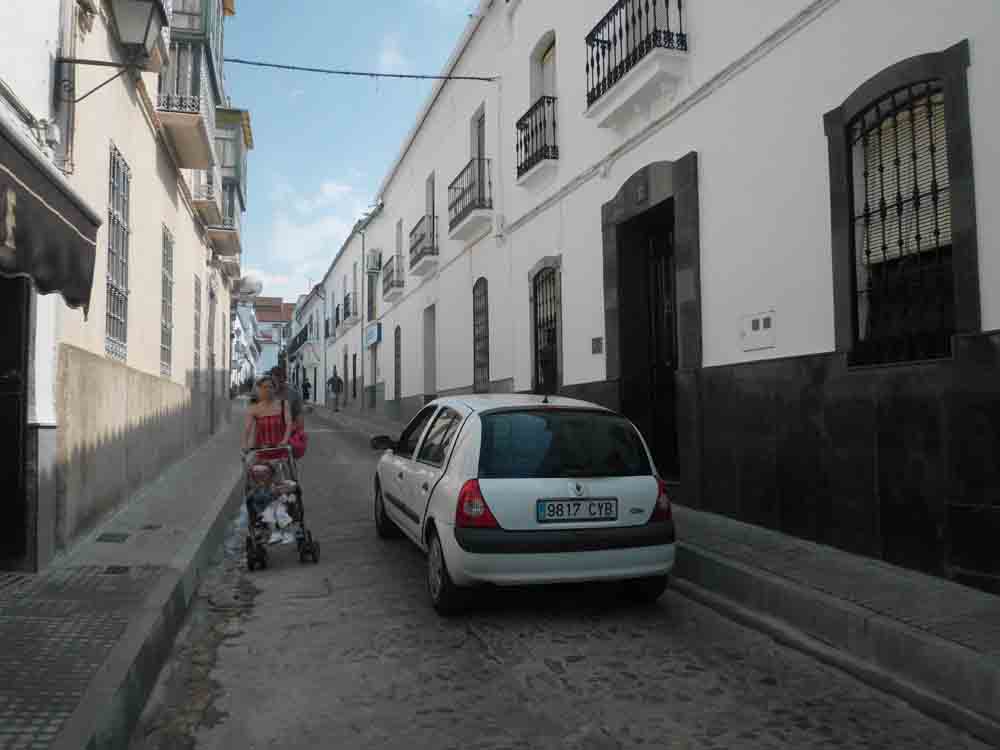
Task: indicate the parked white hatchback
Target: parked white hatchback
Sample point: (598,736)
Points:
(519,489)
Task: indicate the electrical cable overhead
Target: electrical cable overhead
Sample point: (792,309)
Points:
(356,73)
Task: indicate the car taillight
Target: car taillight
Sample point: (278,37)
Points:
(661,511)
(472,510)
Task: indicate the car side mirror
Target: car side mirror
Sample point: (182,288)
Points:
(383,443)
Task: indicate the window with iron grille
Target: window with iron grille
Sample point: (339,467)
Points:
(481,336)
(197,329)
(546,313)
(167,304)
(116,317)
(354,376)
(906,275)
(398,374)
(904,307)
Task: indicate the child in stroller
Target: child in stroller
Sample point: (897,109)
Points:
(274,506)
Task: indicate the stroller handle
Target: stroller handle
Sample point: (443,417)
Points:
(251,455)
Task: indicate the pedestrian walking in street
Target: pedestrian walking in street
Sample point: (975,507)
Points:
(287,392)
(269,422)
(306,389)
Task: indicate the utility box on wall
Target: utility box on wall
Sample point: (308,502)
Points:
(757,331)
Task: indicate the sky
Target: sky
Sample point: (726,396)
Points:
(323,144)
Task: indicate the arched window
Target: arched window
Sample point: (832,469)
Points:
(481,336)
(546,314)
(397,384)
(905,258)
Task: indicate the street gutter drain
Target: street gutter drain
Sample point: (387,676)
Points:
(114,538)
(116,570)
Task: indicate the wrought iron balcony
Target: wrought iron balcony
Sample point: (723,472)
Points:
(470,200)
(227,236)
(536,135)
(185,106)
(206,191)
(631,33)
(352,314)
(393,278)
(300,338)
(423,245)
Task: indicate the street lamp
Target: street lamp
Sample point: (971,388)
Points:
(143,28)
(140,28)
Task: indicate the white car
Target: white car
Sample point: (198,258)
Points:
(520,489)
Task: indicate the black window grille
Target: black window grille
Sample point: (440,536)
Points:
(354,376)
(210,334)
(167,304)
(904,285)
(197,329)
(119,195)
(397,384)
(481,336)
(545,295)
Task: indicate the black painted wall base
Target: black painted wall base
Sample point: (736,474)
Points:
(898,463)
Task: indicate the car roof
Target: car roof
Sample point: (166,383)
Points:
(485,402)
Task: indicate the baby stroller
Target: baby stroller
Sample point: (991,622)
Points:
(274,471)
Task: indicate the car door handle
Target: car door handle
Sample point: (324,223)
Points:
(400,475)
(424,486)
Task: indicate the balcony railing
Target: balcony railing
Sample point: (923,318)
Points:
(536,135)
(630,31)
(423,240)
(300,338)
(472,189)
(393,277)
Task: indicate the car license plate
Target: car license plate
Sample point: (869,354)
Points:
(575,511)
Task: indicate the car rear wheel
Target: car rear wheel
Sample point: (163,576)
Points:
(384,526)
(446,597)
(646,590)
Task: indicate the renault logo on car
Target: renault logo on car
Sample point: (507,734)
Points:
(577,489)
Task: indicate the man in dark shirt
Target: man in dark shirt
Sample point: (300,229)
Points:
(286,392)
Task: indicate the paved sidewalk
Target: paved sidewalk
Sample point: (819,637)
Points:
(82,643)
(932,642)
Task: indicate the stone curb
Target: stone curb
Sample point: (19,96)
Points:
(113,703)
(941,679)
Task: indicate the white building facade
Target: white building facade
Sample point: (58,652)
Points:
(133,215)
(306,358)
(246,348)
(760,232)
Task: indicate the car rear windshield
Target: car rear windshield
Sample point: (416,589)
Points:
(560,443)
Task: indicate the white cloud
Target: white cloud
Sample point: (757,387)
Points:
(330,193)
(390,57)
(307,231)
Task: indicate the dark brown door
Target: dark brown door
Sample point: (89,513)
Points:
(14,301)
(648,332)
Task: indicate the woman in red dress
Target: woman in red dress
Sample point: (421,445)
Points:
(268,423)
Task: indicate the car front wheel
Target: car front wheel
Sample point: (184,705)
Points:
(446,597)
(384,526)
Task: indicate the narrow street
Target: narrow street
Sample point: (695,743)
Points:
(349,654)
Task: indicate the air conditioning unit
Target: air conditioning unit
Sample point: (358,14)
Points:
(373,263)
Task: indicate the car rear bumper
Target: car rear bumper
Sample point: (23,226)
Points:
(535,557)
(549,541)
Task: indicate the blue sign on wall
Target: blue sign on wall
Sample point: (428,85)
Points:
(373,334)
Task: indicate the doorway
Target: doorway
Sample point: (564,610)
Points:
(649,331)
(430,354)
(15,297)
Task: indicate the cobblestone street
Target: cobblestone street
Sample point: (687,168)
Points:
(348,653)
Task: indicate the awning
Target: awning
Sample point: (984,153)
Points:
(47,234)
